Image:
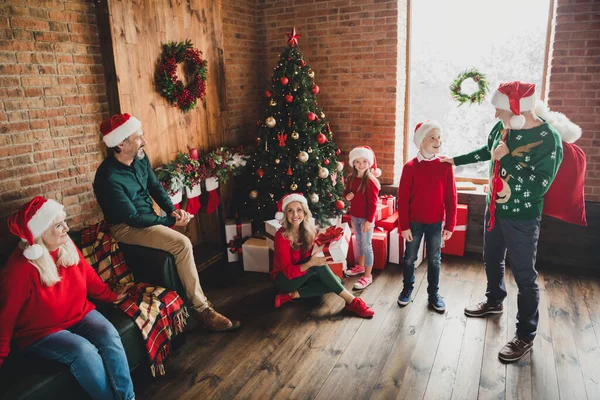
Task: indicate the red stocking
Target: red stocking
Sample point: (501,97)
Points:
(193,203)
(213,195)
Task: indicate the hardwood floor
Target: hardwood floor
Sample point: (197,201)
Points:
(313,349)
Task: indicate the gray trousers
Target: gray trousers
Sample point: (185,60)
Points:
(520,238)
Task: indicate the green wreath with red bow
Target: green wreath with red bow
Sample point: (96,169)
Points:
(170,86)
(475,97)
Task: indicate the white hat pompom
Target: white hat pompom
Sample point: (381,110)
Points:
(517,122)
(279,216)
(33,252)
(377,172)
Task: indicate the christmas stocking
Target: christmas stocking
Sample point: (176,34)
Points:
(193,203)
(213,195)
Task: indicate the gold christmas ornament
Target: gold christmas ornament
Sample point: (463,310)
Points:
(340,166)
(277,161)
(308,184)
(303,157)
(309,150)
(293,186)
(323,173)
(295,135)
(253,194)
(272,103)
(270,122)
(314,198)
(311,73)
(322,114)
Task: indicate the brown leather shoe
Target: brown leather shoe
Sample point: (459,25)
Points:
(214,321)
(515,349)
(484,308)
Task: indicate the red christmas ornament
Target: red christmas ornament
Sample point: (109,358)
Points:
(315,89)
(311,116)
(337,152)
(284,81)
(258,141)
(340,205)
(292,38)
(303,63)
(260,172)
(329,195)
(257,123)
(321,139)
(268,94)
(289,98)
(282,138)
(326,161)
(289,171)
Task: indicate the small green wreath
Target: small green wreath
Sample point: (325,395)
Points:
(475,97)
(170,86)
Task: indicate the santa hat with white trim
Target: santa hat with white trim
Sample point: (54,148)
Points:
(287,199)
(118,128)
(31,220)
(515,97)
(367,153)
(422,129)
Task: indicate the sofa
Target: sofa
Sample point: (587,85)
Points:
(27,377)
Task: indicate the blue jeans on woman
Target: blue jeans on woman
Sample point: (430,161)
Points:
(93,351)
(433,245)
(364,240)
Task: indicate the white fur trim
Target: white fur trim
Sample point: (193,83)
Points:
(122,132)
(569,132)
(177,197)
(193,192)
(291,198)
(211,184)
(44,217)
(517,121)
(361,152)
(279,216)
(422,131)
(33,252)
(500,101)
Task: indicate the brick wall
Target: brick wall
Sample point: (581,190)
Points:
(352,45)
(243,38)
(52,97)
(575,79)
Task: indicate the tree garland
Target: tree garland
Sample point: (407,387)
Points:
(475,97)
(170,86)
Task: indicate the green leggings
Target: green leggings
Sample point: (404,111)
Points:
(316,282)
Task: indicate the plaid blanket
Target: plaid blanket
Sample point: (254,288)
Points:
(159,313)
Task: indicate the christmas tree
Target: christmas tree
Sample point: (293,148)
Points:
(295,151)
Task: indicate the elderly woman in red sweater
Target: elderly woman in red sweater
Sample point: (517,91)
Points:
(295,272)
(44,307)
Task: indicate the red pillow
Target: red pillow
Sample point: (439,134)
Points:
(565,199)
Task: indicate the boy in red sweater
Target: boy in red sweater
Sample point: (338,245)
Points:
(426,196)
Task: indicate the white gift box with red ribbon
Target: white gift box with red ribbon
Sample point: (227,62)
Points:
(235,233)
(333,242)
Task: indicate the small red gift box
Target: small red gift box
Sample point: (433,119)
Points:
(380,248)
(338,268)
(388,223)
(388,200)
(456,244)
(383,211)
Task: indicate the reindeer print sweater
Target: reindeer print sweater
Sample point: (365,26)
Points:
(526,172)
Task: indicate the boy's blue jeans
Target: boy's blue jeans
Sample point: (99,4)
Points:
(364,241)
(93,351)
(433,244)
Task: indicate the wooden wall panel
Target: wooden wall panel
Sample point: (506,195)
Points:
(137,31)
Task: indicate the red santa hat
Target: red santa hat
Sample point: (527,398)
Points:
(367,153)
(287,199)
(422,129)
(118,128)
(515,97)
(31,220)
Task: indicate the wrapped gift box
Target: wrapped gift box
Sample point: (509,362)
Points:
(456,244)
(389,224)
(397,246)
(347,218)
(235,234)
(380,248)
(272,226)
(332,242)
(270,244)
(383,211)
(388,200)
(352,250)
(338,268)
(257,256)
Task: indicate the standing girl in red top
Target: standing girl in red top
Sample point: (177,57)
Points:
(426,196)
(362,190)
(295,272)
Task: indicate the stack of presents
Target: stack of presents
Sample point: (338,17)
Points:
(337,242)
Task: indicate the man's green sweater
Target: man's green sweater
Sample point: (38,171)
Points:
(528,170)
(125,194)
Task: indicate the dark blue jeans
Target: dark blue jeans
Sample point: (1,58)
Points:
(433,244)
(93,351)
(520,238)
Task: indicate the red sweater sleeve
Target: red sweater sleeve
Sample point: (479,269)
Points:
(96,288)
(372,194)
(282,257)
(450,200)
(404,191)
(15,287)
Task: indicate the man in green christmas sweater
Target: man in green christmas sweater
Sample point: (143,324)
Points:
(525,153)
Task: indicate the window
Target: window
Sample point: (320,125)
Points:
(505,40)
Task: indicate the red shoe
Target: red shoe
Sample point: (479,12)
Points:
(358,307)
(282,298)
